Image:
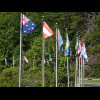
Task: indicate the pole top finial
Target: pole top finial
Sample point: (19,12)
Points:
(77,34)
(43,18)
(79,37)
(56,24)
(66,29)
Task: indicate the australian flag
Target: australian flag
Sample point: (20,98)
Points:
(28,26)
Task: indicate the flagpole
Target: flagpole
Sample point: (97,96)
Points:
(42,55)
(79,65)
(20,50)
(67,63)
(76,63)
(83,68)
(76,70)
(68,71)
(56,50)
(80,69)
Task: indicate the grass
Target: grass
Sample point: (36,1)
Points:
(92,81)
(92,77)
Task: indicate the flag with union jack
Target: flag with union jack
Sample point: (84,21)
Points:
(28,26)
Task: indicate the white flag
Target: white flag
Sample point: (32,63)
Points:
(25,59)
(5,62)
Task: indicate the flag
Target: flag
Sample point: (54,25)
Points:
(76,47)
(50,59)
(47,32)
(28,26)
(79,48)
(25,59)
(5,62)
(86,57)
(37,59)
(13,61)
(83,52)
(67,45)
(70,53)
(60,41)
(44,61)
(47,62)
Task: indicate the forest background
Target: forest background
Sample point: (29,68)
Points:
(87,24)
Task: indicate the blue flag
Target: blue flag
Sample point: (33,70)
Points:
(50,59)
(60,41)
(67,45)
(27,25)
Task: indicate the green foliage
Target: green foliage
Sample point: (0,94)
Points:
(9,77)
(96,70)
(95,50)
(2,67)
(38,84)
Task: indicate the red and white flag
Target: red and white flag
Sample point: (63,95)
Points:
(79,48)
(25,59)
(47,32)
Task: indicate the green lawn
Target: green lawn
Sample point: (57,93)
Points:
(92,81)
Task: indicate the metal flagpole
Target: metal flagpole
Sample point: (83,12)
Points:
(42,55)
(76,66)
(83,68)
(56,51)
(68,71)
(67,63)
(79,71)
(76,63)
(76,70)
(79,65)
(20,50)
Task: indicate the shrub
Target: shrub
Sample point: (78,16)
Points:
(9,77)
